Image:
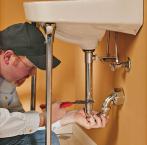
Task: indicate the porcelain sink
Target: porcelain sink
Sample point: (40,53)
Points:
(85,22)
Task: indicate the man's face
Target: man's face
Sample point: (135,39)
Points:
(24,69)
(16,68)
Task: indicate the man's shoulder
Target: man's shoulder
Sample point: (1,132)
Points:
(6,87)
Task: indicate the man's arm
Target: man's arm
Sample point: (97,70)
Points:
(76,116)
(16,123)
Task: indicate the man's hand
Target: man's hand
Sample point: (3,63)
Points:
(80,118)
(76,116)
(57,113)
(42,119)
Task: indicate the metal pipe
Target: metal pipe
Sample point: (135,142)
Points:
(116,47)
(49,46)
(115,98)
(33,92)
(108,44)
(88,79)
(33,87)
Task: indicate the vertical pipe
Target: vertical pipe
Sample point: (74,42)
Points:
(49,46)
(33,87)
(88,79)
(48,89)
(108,43)
(116,47)
(33,92)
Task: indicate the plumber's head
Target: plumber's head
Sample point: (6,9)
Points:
(22,50)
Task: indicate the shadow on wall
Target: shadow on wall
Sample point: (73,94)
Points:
(125,48)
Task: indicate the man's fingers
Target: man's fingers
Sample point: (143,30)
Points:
(100,121)
(92,121)
(104,120)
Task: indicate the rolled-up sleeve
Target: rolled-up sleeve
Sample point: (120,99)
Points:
(17,123)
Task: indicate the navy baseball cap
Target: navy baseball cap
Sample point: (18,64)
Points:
(25,39)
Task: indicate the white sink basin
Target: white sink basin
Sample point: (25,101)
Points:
(85,21)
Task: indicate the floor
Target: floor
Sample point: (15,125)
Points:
(69,140)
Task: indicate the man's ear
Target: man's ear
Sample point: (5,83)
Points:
(7,55)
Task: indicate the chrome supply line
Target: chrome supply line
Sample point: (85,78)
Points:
(114,61)
(108,45)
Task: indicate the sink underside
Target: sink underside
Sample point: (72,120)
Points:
(86,35)
(81,21)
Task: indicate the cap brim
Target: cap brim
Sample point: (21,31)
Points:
(40,61)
